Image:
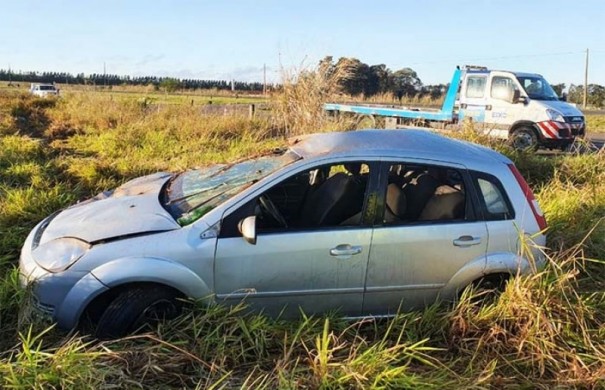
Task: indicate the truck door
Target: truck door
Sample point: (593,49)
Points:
(503,111)
(473,97)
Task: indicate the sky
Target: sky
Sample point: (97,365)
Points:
(234,39)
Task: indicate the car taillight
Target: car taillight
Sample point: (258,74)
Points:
(531,199)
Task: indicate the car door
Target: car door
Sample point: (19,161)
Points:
(313,266)
(416,253)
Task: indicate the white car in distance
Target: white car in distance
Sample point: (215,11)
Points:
(43,90)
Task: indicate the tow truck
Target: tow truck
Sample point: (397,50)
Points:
(520,107)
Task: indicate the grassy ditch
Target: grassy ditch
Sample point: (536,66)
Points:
(544,331)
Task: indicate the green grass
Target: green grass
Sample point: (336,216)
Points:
(595,123)
(150,95)
(545,331)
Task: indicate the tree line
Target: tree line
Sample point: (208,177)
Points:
(357,78)
(168,83)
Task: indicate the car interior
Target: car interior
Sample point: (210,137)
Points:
(423,193)
(322,197)
(334,196)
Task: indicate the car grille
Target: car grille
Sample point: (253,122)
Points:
(574,119)
(43,308)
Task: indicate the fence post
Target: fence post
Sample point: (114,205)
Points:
(251,111)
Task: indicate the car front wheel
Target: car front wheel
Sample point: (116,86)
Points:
(137,308)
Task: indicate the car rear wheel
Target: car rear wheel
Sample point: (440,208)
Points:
(524,139)
(138,308)
(488,288)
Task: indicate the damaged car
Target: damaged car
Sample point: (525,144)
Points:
(365,223)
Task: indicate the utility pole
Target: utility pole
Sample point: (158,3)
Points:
(586,81)
(264,79)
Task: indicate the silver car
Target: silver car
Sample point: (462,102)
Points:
(365,223)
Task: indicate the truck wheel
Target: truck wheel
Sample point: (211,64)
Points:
(137,308)
(524,139)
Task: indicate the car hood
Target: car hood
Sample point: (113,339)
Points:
(133,208)
(564,108)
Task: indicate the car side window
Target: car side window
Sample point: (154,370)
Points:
(421,193)
(493,198)
(322,197)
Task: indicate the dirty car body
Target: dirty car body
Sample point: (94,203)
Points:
(364,223)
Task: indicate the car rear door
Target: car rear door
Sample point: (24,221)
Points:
(412,259)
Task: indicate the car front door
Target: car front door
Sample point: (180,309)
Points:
(316,263)
(427,233)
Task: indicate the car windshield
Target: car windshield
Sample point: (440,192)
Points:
(191,194)
(47,88)
(537,88)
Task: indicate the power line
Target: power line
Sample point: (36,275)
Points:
(500,57)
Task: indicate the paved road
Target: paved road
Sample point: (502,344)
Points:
(598,139)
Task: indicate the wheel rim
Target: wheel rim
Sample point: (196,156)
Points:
(523,141)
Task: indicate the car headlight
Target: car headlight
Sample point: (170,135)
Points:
(554,115)
(57,255)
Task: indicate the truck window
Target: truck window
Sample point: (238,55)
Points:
(475,86)
(502,88)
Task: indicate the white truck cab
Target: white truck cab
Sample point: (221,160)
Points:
(43,90)
(521,107)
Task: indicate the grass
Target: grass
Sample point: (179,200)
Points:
(595,123)
(149,95)
(544,331)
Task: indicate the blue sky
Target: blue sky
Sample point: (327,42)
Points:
(233,39)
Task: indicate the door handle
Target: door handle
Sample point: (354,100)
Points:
(345,250)
(464,241)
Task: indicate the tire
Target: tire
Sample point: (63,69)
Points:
(136,309)
(488,288)
(524,139)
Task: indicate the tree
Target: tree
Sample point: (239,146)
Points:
(558,88)
(170,84)
(406,82)
(354,75)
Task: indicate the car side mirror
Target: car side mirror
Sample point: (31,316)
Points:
(247,227)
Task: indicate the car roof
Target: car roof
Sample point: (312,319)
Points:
(409,143)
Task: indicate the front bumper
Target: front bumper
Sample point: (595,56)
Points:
(62,296)
(554,131)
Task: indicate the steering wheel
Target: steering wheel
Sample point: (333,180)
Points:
(267,205)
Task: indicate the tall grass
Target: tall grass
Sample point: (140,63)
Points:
(298,109)
(544,331)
